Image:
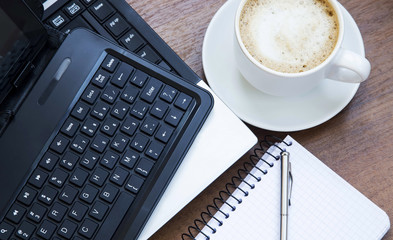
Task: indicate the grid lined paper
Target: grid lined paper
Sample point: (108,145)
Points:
(324,206)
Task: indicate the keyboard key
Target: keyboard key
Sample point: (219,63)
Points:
(149,54)
(116,25)
(25,230)
(139,78)
(79,144)
(168,94)
(110,94)
(90,94)
(69,160)
(67,229)
(73,8)
(70,127)
(36,213)
(119,143)
(5,230)
(49,161)
(79,177)
(120,110)
(139,142)
(88,194)
(144,166)
(78,211)
(149,126)
(122,75)
(58,178)
(98,27)
(119,176)
(159,109)
(27,195)
(57,212)
(183,101)
(132,40)
(110,126)
(100,110)
(140,109)
(15,213)
(38,178)
(154,150)
(116,214)
(47,195)
(90,127)
(99,176)
(58,20)
(59,144)
(129,126)
(99,143)
(129,159)
(109,160)
(89,160)
(88,228)
(46,230)
(134,184)
(130,94)
(80,111)
(101,10)
(174,117)
(164,133)
(151,90)
(109,193)
(68,194)
(101,78)
(110,63)
(98,210)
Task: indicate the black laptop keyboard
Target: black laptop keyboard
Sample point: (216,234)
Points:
(98,162)
(100,16)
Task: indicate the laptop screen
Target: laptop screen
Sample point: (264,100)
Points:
(12,44)
(22,36)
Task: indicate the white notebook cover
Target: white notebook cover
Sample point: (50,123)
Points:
(216,146)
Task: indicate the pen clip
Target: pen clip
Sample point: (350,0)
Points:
(291,182)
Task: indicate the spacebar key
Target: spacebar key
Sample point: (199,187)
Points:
(115,216)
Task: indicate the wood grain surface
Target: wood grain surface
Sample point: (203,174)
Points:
(357,143)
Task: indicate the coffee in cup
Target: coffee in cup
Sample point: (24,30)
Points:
(289,35)
(287,47)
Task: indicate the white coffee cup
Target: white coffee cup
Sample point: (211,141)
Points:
(341,65)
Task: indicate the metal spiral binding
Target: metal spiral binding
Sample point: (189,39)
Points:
(258,152)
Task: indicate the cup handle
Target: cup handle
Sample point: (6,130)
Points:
(349,67)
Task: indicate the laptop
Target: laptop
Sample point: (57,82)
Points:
(118,22)
(91,134)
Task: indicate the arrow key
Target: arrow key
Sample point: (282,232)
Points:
(174,117)
(59,144)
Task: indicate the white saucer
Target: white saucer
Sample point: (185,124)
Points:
(263,110)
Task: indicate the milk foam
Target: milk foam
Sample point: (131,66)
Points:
(289,35)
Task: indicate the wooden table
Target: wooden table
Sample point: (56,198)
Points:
(357,143)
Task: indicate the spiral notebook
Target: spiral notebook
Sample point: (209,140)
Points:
(323,205)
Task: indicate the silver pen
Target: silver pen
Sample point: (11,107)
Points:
(286,179)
